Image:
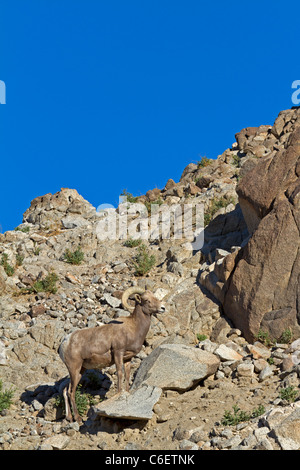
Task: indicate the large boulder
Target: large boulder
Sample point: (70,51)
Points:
(48,211)
(263,290)
(175,367)
(287,431)
(136,405)
(190,309)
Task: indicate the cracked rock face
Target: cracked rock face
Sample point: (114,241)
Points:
(65,208)
(263,290)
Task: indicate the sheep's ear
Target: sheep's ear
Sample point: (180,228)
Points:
(138,298)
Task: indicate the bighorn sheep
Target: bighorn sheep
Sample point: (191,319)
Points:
(116,342)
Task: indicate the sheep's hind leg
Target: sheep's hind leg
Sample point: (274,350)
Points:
(67,403)
(75,378)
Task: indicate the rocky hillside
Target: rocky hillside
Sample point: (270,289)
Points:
(220,369)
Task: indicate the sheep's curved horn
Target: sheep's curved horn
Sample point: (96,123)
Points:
(127,294)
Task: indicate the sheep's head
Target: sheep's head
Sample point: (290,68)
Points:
(149,303)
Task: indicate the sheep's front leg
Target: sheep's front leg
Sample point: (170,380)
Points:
(127,367)
(118,356)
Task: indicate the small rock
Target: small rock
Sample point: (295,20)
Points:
(37,406)
(161,415)
(71,278)
(181,433)
(295,345)
(264,444)
(111,300)
(259,365)
(57,442)
(52,412)
(188,445)
(227,354)
(258,350)
(265,373)
(37,310)
(120,267)
(3,358)
(287,363)
(245,369)
(231,442)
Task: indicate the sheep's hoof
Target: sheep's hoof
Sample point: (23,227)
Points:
(79,420)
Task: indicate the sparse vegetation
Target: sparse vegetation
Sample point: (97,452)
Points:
(19,260)
(132,242)
(286,336)
(237,176)
(215,205)
(158,201)
(204,162)
(201,337)
(236,161)
(74,257)
(22,229)
(7,267)
(36,250)
(5,397)
(83,401)
(129,196)
(289,394)
(265,338)
(144,262)
(239,416)
(46,285)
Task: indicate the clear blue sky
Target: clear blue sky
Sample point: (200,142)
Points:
(107,95)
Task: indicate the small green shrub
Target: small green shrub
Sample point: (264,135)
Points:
(215,205)
(7,267)
(129,196)
(5,397)
(46,285)
(236,161)
(286,336)
(143,261)
(36,250)
(132,243)
(204,162)
(74,257)
(82,400)
(201,337)
(265,338)
(19,260)
(23,229)
(289,394)
(239,416)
